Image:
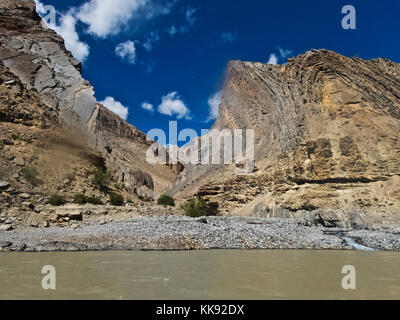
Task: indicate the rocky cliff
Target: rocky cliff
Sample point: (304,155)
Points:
(37,61)
(326,132)
(327,136)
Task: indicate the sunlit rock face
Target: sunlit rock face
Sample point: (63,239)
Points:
(37,56)
(327,135)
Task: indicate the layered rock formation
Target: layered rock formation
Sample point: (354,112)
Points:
(327,136)
(37,57)
(326,130)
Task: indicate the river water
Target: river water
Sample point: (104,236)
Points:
(224,274)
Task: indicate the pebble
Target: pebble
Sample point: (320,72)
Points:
(5,244)
(28,205)
(19,161)
(6,227)
(4,185)
(183,233)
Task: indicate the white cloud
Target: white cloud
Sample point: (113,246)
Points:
(40,7)
(213,103)
(151,38)
(189,16)
(107,17)
(126,51)
(172,104)
(116,107)
(273,59)
(227,37)
(154,8)
(285,53)
(190,21)
(282,56)
(172,30)
(67,30)
(147,106)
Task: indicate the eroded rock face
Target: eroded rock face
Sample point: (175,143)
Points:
(327,135)
(37,56)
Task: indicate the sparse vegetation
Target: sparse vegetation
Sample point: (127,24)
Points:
(71,176)
(57,200)
(116,199)
(198,207)
(101,178)
(30,174)
(15,136)
(94,200)
(117,186)
(145,199)
(82,199)
(165,200)
(97,161)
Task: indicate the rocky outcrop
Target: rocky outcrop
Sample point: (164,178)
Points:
(38,157)
(326,137)
(326,132)
(37,57)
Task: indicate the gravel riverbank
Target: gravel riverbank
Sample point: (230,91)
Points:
(182,233)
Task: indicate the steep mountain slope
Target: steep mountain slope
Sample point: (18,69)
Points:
(327,132)
(37,58)
(327,135)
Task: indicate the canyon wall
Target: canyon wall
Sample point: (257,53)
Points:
(327,136)
(37,56)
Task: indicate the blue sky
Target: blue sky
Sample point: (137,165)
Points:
(172,54)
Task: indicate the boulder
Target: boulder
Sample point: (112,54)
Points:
(19,161)
(4,185)
(28,205)
(69,215)
(145,193)
(6,227)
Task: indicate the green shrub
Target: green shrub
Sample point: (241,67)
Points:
(165,200)
(116,199)
(198,207)
(94,200)
(57,200)
(82,199)
(15,136)
(101,178)
(30,174)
